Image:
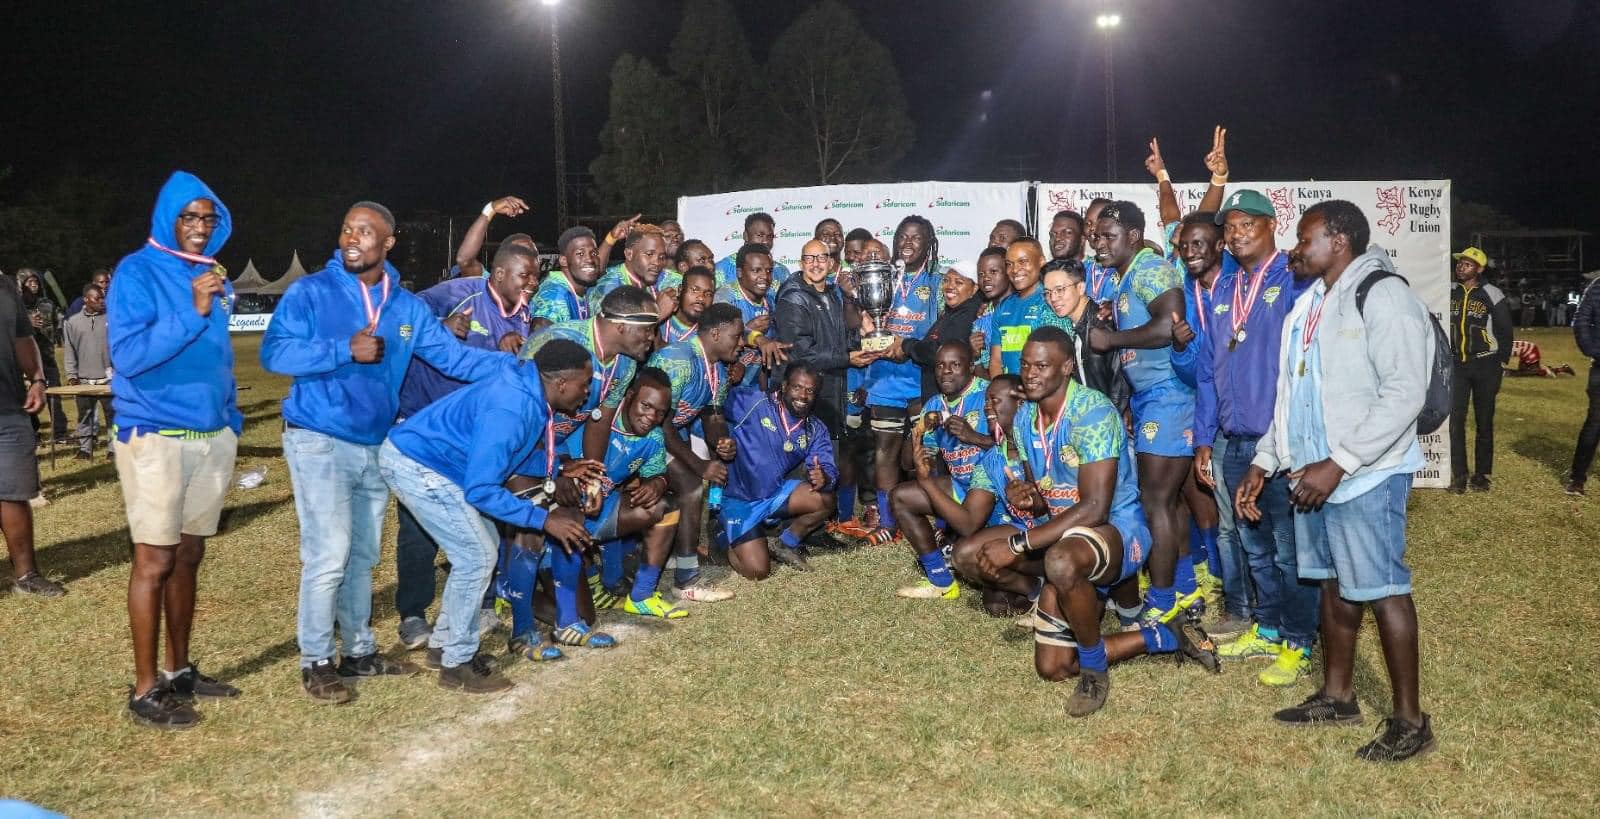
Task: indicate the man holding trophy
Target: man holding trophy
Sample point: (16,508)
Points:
(903,302)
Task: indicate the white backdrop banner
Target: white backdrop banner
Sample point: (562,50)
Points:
(1409,218)
(962,214)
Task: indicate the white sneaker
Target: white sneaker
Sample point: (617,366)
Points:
(927,591)
(39,501)
(699,592)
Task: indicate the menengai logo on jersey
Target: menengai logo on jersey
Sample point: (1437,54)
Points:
(891,203)
(840,204)
(740,209)
(795,206)
(942,202)
(1392,201)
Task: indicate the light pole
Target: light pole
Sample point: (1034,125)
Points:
(559,117)
(1107,23)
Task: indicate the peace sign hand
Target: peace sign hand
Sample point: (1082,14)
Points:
(1154,163)
(1217,160)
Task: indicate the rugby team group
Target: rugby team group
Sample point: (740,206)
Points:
(1135,435)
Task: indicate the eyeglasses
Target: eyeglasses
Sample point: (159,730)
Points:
(820,258)
(192,219)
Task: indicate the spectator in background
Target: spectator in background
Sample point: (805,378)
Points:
(1480,335)
(88,360)
(1586,329)
(45,316)
(19,471)
(102,279)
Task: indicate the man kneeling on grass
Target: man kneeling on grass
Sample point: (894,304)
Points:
(449,464)
(1096,537)
(775,434)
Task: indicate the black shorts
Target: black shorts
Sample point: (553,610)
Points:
(19,467)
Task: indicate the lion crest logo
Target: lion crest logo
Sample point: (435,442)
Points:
(1150,429)
(1069,455)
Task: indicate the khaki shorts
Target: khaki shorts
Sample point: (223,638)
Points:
(174,486)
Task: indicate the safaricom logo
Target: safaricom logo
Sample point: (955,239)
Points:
(890,203)
(737,234)
(951,232)
(737,209)
(794,234)
(942,202)
(795,206)
(837,203)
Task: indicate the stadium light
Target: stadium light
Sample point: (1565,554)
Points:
(1103,21)
(1106,23)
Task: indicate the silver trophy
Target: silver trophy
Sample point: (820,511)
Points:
(875,282)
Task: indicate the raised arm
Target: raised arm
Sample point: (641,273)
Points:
(472,243)
(1217,164)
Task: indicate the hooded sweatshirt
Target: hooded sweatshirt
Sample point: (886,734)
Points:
(309,339)
(174,367)
(1375,366)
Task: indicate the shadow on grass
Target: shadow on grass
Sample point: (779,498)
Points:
(63,485)
(1555,454)
(289,647)
(260,452)
(80,557)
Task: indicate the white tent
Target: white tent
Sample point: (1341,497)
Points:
(281,284)
(249,281)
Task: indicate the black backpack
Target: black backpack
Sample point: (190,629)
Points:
(1436,403)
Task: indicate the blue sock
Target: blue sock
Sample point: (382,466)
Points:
(1158,639)
(1093,658)
(847,502)
(568,573)
(885,514)
(644,583)
(935,569)
(611,555)
(521,570)
(1161,597)
(686,570)
(1268,634)
(1183,578)
(789,539)
(1197,544)
(1213,552)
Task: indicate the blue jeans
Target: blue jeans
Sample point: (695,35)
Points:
(1361,542)
(1282,601)
(340,499)
(467,538)
(1230,551)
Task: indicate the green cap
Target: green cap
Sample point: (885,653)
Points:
(1246,201)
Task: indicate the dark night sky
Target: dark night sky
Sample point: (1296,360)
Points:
(443,105)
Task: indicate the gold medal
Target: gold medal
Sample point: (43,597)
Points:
(788,446)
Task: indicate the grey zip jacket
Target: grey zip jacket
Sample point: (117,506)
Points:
(1374,372)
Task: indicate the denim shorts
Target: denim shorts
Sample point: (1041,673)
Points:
(1361,542)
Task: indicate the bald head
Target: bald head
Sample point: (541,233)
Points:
(816,262)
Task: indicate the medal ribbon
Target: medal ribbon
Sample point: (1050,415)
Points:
(666,331)
(550,443)
(1241,312)
(783,418)
(600,354)
(1200,303)
(583,306)
(1308,335)
(522,299)
(1044,431)
(366,300)
(188,257)
(712,377)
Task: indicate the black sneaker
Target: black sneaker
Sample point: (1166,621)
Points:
(375,665)
(1195,645)
(1320,709)
(321,682)
(478,676)
(190,683)
(433,660)
(1479,483)
(1090,695)
(38,585)
(793,558)
(1458,486)
(160,708)
(1398,741)
(1575,488)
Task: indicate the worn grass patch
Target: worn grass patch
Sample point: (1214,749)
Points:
(814,694)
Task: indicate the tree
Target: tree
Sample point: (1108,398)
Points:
(646,152)
(840,114)
(711,59)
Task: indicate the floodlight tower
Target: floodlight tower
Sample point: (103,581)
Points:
(1107,24)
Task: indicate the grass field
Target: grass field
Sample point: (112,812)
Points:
(814,694)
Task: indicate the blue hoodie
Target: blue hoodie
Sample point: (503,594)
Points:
(481,435)
(309,338)
(174,367)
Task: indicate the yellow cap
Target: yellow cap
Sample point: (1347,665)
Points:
(1472,254)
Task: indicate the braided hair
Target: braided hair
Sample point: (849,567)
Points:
(933,240)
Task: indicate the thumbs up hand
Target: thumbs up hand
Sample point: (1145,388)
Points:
(1182,333)
(365,347)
